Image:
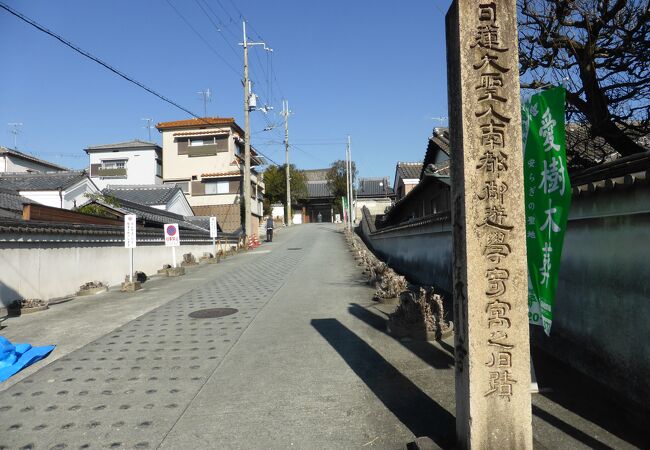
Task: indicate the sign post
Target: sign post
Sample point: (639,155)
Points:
(130,241)
(548,199)
(172,239)
(213,234)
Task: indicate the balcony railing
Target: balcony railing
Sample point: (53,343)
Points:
(113,172)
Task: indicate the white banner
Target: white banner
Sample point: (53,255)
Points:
(213,227)
(129,231)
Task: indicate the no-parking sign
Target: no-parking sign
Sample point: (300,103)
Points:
(172,235)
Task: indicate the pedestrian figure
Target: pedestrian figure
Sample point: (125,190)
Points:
(269,229)
(319,217)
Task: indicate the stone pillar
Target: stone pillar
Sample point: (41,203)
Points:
(493,402)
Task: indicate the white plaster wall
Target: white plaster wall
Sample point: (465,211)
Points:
(179,205)
(52,198)
(76,195)
(47,198)
(140,167)
(375,206)
(13,164)
(52,272)
(277,212)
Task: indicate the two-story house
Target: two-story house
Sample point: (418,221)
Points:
(125,163)
(205,157)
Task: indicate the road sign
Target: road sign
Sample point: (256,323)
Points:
(172,235)
(129,231)
(213,227)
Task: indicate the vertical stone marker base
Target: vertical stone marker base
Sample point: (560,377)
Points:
(131,287)
(493,404)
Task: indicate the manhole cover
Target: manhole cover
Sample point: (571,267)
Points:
(294,248)
(212,313)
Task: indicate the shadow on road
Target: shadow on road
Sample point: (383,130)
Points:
(415,409)
(587,399)
(569,429)
(424,350)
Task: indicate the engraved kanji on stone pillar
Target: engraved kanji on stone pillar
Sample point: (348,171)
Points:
(493,404)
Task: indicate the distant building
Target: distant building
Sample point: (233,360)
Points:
(125,163)
(321,199)
(65,190)
(164,197)
(14,161)
(431,194)
(206,158)
(407,176)
(375,194)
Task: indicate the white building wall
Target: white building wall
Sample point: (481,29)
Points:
(51,272)
(67,199)
(14,164)
(47,198)
(179,205)
(140,167)
(375,205)
(277,212)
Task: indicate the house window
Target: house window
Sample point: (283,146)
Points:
(111,168)
(159,168)
(217,187)
(197,142)
(114,164)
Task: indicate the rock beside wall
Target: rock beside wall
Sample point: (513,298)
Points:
(420,313)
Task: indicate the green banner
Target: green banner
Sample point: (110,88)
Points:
(548,198)
(344,206)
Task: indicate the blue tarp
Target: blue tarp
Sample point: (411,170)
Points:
(14,358)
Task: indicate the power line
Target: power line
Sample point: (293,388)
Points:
(200,36)
(217,27)
(93,58)
(105,65)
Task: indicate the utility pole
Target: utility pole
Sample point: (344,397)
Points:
(285,114)
(148,126)
(351,180)
(247,132)
(347,182)
(15,131)
(247,142)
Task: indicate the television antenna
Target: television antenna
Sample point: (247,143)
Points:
(15,130)
(148,126)
(207,98)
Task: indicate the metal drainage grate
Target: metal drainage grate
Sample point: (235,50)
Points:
(294,248)
(212,313)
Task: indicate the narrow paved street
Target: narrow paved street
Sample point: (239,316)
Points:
(295,366)
(305,362)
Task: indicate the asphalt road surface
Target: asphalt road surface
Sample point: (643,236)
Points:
(303,362)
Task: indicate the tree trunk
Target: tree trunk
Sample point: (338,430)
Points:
(596,109)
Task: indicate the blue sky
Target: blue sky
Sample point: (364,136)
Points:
(373,70)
